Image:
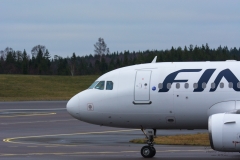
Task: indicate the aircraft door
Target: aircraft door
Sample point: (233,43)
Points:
(142,87)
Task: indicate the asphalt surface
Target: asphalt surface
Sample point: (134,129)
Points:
(44,130)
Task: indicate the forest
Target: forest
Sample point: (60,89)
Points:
(40,62)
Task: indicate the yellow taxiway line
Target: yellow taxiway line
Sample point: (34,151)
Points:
(27,115)
(91,153)
(13,140)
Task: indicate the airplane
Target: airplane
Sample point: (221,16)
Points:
(167,95)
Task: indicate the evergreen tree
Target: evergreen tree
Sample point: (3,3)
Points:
(125,60)
(72,64)
(24,62)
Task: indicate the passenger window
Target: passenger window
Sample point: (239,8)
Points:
(169,85)
(186,85)
(204,85)
(177,85)
(238,84)
(195,85)
(221,85)
(109,85)
(93,85)
(100,85)
(230,85)
(160,85)
(212,85)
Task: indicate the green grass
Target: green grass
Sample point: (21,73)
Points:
(29,87)
(200,139)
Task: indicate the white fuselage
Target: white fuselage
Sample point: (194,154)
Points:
(138,98)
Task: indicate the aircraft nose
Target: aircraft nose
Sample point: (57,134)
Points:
(73,106)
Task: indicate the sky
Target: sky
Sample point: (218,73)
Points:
(67,26)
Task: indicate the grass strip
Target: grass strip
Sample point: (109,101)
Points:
(30,87)
(200,139)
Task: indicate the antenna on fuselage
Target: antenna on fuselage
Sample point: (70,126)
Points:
(154,60)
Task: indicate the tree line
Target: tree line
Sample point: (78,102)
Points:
(41,63)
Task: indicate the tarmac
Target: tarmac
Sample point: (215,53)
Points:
(45,130)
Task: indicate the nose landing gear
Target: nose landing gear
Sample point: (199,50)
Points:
(149,151)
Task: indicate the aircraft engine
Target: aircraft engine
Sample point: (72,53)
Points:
(224,132)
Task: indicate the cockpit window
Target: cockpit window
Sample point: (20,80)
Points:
(93,85)
(109,85)
(100,85)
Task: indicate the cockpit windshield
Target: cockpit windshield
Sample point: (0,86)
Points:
(93,85)
(109,85)
(100,85)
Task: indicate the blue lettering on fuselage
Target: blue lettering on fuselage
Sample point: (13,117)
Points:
(226,73)
(204,79)
(229,76)
(171,78)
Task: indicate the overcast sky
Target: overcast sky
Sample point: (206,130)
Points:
(67,26)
